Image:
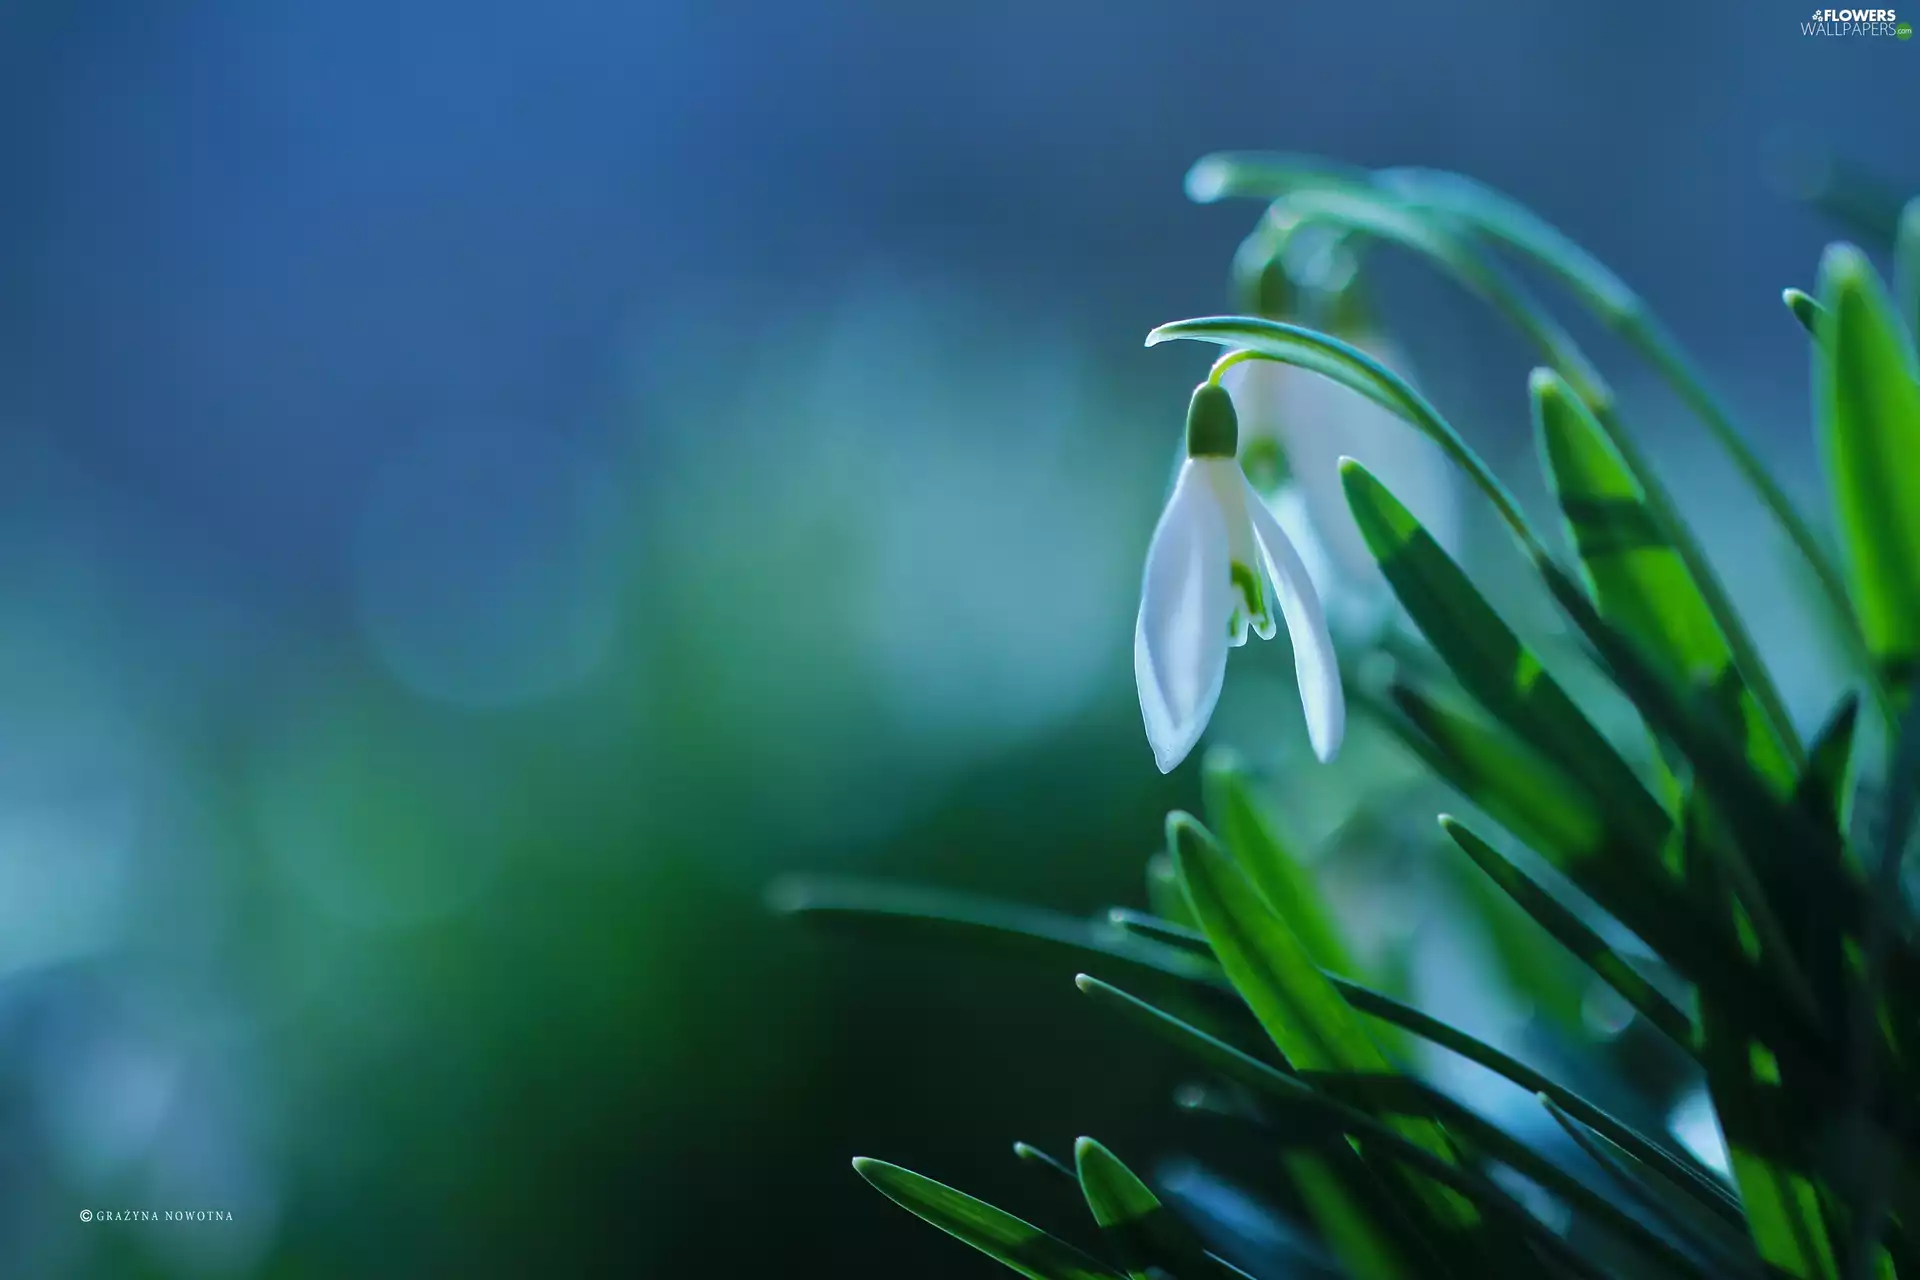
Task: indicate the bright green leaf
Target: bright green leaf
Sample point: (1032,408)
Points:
(1639,581)
(1276,870)
(1869,412)
(1302,1013)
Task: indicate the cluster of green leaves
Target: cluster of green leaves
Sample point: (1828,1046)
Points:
(1733,851)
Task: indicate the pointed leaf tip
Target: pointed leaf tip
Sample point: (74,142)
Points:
(1804,308)
(1869,411)
(1544,383)
(1114,1192)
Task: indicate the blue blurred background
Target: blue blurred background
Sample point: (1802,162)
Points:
(483,488)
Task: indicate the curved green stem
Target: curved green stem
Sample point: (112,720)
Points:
(1346,364)
(1500,218)
(1380,215)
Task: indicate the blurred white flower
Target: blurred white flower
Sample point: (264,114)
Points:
(1295,427)
(1215,555)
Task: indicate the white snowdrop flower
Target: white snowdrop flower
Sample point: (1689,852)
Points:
(1219,566)
(1296,426)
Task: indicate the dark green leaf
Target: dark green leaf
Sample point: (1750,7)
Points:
(1020,1245)
(1574,934)
(1030,1154)
(1714,1224)
(920,912)
(1427,1027)
(1808,312)
(1825,789)
(1317,1111)
(1144,1231)
(1486,656)
(1795,854)
(1158,930)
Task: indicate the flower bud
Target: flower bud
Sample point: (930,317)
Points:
(1213,429)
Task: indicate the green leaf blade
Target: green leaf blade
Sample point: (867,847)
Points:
(1501,673)
(1275,869)
(1638,579)
(1011,1241)
(1575,935)
(1869,411)
(1293,1000)
(1149,1237)
(1267,964)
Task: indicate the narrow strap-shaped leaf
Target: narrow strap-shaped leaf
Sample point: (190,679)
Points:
(1574,934)
(1275,870)
(1772,829)
(1808,312)
(1017,1244)
(1825,789)
(1145,1232)
(1355,1220)
(1309,1103)
(1379,1097)
(1402,1095)
(1869,413)
(1265,961)
(1639,581)
(904,910)
(1502,674)
(1556,817)
(1505,220)
(1781,1201)
(880,906)
(1500,217)
(1030,1154)
(1699,1182)
(1668,1200)
(1642,587)
(1158,930)
(1262,175)
(1302,1013)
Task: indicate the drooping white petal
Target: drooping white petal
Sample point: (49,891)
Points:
(1314,661)
(1252,603)
(1186,609)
